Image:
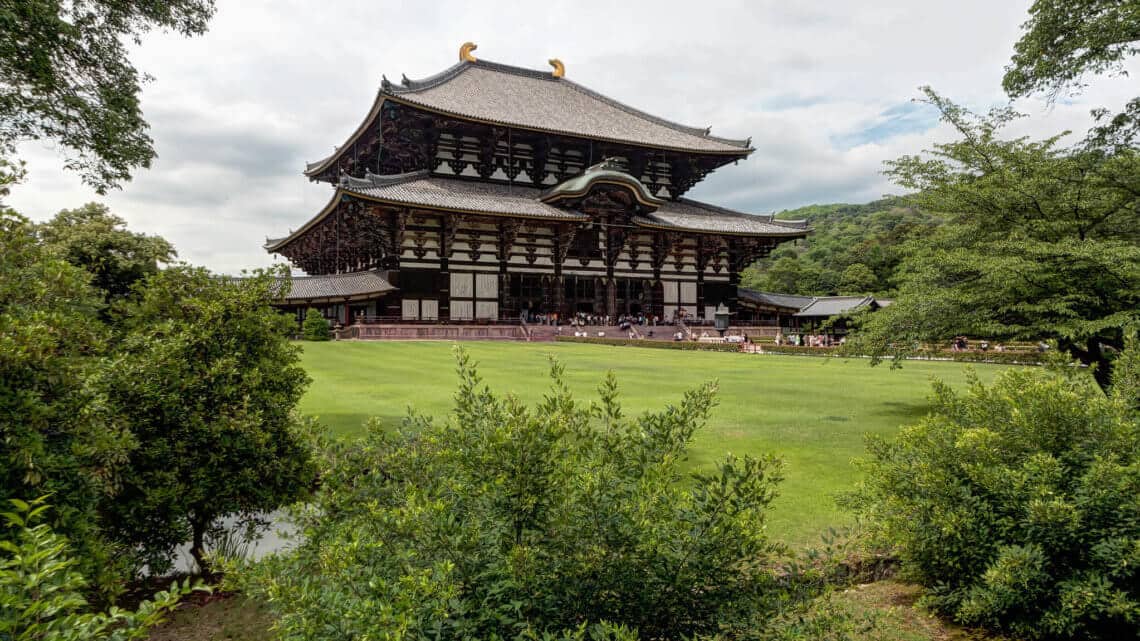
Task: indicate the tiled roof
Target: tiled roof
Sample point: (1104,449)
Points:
(535,99)
(422,189)
(337,286)
(603,172)
(690,215)
(835,305)
(789,301)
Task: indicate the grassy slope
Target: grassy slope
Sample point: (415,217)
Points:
(811,412)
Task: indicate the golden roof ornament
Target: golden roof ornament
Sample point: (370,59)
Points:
(559,68)
(465,50)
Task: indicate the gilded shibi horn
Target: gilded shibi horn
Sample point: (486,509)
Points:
(465,50)
(559,68)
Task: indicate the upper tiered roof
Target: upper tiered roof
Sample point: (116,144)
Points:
(543,101)
(532,99)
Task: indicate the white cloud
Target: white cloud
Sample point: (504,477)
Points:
(822,89)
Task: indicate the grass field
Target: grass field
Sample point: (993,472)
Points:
(811,412)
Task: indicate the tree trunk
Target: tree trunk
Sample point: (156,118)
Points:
(1093,354)
(198,544)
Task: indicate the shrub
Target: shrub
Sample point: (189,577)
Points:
(1018,504)
(517,523)
(41,595)
(206,380)
(315,327)
(56,436)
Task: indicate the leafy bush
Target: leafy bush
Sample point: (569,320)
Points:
(41,595)
(315,327)
(206,380)
(1018,504)
(55,435)
(518,523)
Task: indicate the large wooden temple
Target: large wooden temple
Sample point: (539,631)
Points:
(490,192)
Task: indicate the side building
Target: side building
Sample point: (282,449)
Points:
(490,192)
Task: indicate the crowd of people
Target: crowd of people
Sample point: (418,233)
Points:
(810,340)
(582,319)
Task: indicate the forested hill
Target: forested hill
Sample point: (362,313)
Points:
(854,249)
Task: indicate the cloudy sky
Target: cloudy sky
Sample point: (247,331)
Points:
(824,89)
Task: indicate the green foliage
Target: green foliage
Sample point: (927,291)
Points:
(1064,41)
(41,595)
(852,249)
(315,327)
(1040,242)
(523,523)
(1018,504)
(67,78)
(206,380)
(93,238)
(857,278)
(55,435)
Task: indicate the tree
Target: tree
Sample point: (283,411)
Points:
(857,279)
(513,522)
(1066,40)
(315,327)
(67,79)
(1018,504)
(93,238)
(206,380)
(57,436)
(1040,242)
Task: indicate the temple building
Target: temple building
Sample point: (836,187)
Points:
(491,192)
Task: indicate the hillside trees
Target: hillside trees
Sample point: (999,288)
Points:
(1040,242)
(66,78)
(871,235)
(206,380)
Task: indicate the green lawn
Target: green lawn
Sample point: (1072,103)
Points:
(811,412)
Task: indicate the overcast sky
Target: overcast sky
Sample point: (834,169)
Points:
(824,89)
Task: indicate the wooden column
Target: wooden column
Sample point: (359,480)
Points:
(508,231)
(563,238)
(446,241)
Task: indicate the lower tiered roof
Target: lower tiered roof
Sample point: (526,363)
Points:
(336,287)
(422,190)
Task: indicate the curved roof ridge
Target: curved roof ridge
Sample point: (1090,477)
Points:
(606,171)
(411,86)
(725,210)
(371,180)
(336,276)
(695,131)
(768,218)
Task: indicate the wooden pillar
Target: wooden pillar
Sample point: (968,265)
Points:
(612,249)
(558,254)
(700,292)
(733,302)
(446,237)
